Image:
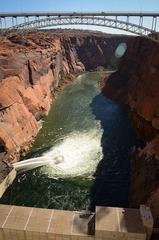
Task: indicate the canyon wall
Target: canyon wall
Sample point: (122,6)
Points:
(136,84)
(32,65)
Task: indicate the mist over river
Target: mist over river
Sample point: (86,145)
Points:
(81,156)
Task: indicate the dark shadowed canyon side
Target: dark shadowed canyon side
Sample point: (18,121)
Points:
(136,85)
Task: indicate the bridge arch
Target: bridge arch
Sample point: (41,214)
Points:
(83,20)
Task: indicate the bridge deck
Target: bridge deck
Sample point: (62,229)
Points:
(29,14)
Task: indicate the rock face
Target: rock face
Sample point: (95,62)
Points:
(136,84)
(31,67)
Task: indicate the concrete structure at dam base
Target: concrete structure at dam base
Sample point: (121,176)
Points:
(107,223)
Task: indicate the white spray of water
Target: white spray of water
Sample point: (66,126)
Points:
(77,154)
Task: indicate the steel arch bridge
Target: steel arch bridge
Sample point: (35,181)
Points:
(130,22)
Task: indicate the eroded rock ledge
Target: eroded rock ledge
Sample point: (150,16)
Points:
(32,65)
(136,84)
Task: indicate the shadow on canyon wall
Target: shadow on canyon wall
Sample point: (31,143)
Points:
(112,176)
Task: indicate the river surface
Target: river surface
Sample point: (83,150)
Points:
(84,147)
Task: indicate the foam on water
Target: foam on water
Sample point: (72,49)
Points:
(77,154)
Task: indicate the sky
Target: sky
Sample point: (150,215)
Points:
(80,5)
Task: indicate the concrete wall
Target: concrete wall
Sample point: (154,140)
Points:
(25,223)
(7,181)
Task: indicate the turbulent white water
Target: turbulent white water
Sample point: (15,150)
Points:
(77,154)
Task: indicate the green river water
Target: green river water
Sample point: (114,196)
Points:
(85,146)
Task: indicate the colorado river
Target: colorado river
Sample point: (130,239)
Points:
(81,156)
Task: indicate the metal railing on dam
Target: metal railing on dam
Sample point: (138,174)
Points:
(143,24)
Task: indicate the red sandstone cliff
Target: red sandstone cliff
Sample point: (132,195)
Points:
(32,65)
(136,84)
